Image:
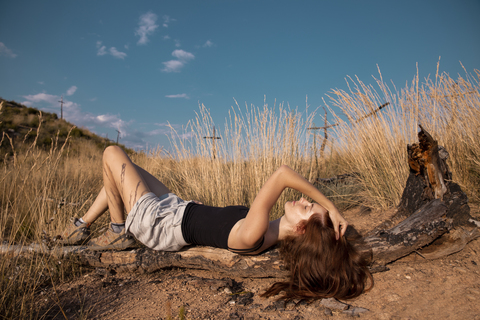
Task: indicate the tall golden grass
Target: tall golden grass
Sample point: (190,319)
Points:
(376,146)
(254,142)
(32,185)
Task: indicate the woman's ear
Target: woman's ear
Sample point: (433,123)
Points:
(300,227)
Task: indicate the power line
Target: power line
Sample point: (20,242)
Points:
(213,137)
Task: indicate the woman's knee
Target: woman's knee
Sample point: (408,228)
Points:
(112,152)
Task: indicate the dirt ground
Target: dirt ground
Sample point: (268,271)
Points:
(412,288)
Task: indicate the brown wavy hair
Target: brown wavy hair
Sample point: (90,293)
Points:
(321,266)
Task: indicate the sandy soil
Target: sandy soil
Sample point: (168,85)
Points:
(413,288)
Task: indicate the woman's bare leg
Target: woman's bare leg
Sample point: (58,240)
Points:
(101,203)
(155,185)
(123,183)
(98,207)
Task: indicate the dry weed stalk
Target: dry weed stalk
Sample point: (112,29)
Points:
(376,146)
(27,180)
(254,143)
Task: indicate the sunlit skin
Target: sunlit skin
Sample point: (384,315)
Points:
(125,183)
(296,211)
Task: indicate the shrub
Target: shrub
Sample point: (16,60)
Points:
(77,133)
(34,122)
(32,111)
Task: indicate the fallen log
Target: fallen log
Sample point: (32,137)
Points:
(145,260)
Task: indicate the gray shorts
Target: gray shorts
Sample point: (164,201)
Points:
(157,221)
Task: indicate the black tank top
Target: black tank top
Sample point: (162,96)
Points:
(210,226)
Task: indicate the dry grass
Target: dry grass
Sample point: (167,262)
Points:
(376,146)
(254,142)
(32,183)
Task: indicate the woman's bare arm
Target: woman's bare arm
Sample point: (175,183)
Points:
(256,223)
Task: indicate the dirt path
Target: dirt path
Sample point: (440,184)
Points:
(413,288)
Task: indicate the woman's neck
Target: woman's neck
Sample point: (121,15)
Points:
(281,227)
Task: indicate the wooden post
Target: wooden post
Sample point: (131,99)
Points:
(61,107)
(213,137)
(314,143)
(324,143)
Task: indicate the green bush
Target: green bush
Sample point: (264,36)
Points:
(34,123)
(11,126)
(63,132)
(46,141)
(77,133)
(32,111)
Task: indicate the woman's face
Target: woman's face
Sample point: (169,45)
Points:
(296,211)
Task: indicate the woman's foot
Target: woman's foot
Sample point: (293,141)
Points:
(76,233)
(111,241)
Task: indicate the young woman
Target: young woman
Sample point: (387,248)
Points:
(321,261)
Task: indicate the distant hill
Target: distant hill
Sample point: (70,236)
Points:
(20,123)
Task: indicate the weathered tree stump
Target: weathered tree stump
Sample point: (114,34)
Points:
(433,217)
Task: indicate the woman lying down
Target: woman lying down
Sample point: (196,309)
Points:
(321,261)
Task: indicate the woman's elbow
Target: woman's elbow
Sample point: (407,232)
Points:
(283,168)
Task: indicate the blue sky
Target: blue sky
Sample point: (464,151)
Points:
(137,65)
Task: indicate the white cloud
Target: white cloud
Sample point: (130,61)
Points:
(102,50)
(175,65)
(41,97)
(183,55)
(208,44)
(182,95)
(177,43)
(167,20)
(172,130)
(110,121)
(41,82)
(172,66)
(117,54)
(130,136)
(4,51)
(146,27)
(73,113)
(166,37)
(158,131)
(188,135)
(71,91)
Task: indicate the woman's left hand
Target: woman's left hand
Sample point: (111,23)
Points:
(339,223)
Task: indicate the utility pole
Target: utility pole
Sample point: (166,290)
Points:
(214,137)
(314,129)
(61,108)
(324,143)
(118,135)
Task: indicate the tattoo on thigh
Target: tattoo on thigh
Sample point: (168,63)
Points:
(136,189)
(109,201)
(122,175)
(114,194)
